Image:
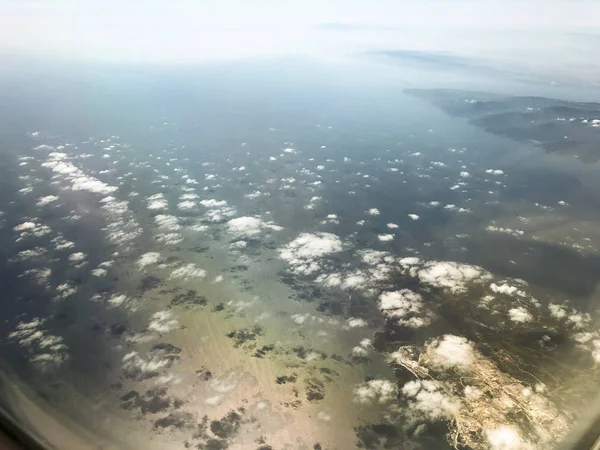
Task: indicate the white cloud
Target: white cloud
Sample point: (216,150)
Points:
(360,352)
(299,319)
(494,171)
(256,194)
(60,243)
(43,201)
(472,393)
(238,245)
(225,383)
(305,252)
(198,227)
(186,205)
(579,320)
(42,147)
(375,391)
(505,438)
(249,226)
(188,271)
(212,203)
(163,322)
(169,238)
(507,289)
(519,315)
(331,218)
(451,352)
(30,253)
(31,229)
(373,212)
(410,261)
(90,184)
(41,276)
(363,348)
(77,257)
(374,257)
(122,227)
(511,231)
(322,415)
(357,322)
(99,272)
(330,279)
(582,337)
(147,259)
(167,222)
(486,300)
(366,343)
(465,174)
(117,300)
(405,305)
(65,290)
(133,364)
(399,303)
(385,237)
(557,311)
(189,196)
(218,211)
(157,201)
(452,276)
(45,350)
(429,400)
(413,216)
(355,280)
(59,164)
(596,350)
(392,226)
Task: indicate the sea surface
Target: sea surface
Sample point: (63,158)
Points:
(288,255)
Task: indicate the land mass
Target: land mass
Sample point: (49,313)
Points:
(558,126)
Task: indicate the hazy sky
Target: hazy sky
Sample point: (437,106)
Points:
(164,31)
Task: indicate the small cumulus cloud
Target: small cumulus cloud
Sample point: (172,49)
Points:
(188,271)
(157,202)
(429,400)
(305,253)
(45,350)
(43,201)
(162,322)
(148,259)
(451,352)
(375,391)
(519,315)
(250,226)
